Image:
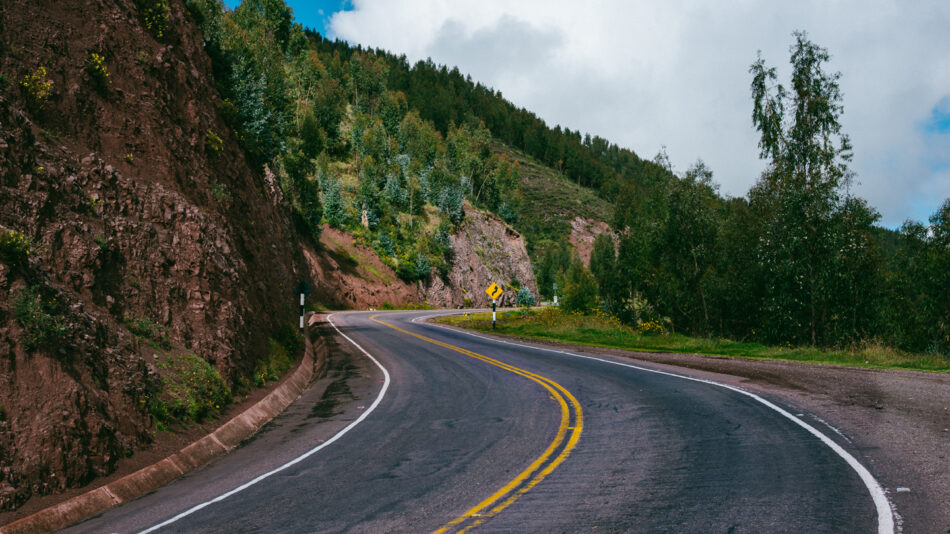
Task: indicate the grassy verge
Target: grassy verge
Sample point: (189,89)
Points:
(553,325)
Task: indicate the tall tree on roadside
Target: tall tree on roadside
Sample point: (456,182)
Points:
(799,195)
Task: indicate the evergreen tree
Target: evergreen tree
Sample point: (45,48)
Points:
(333,208)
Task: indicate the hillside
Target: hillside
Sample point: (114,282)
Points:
(551,202)
(147,235)
(139,219)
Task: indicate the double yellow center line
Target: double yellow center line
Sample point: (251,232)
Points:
(569,431)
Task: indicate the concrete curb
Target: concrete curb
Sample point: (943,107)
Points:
(197,454)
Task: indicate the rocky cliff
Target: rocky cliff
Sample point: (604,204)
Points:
(485,250)
(136,208)
(132,227)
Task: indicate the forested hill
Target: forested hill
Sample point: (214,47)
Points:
(445,96)
(390,152)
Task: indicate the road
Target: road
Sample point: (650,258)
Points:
(462,431)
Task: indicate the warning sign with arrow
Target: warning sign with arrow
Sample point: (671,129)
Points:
(494,291)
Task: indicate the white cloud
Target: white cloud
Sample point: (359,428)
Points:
(675,73)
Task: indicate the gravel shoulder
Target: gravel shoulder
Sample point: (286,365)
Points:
(898,422)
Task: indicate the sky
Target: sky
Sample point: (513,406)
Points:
(674,74)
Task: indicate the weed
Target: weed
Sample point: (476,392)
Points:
(15,247)
(130,158)
(154,15)
(102,242)
(213,143)
(189,389)
(38,315)
(221,193)
(273,365)
(143,327)
(142,57)
(97,71)
(36,88)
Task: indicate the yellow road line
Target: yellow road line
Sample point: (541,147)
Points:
(540,467)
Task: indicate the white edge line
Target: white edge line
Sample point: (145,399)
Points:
(300,458)
(885,516)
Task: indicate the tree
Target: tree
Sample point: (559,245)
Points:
(603,265)
(580,288)
(799,196)
(333,208)
(687,246)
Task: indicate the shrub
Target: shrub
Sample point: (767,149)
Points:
(273,365)
(190,389)
(421,266)
(36,88)
(154,15)
(97,71)
(213,143)
(15,247)
(525,297)
(580,289)
(221,193)
(38,315)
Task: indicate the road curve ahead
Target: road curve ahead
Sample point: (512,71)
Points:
(451,432)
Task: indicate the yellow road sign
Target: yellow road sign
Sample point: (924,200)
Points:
(494,291)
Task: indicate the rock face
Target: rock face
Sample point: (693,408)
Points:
(131,217)
(485,250)
(583,233)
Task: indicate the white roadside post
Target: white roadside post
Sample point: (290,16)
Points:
(303,288)
(494,291)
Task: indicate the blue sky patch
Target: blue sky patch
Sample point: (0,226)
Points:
(313,14)
(939,121)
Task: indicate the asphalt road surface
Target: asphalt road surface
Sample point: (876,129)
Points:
(462,432)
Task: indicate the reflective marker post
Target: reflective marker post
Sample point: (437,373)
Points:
(492,314)
(304,289)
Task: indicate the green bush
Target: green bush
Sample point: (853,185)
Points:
(38,315)
(36,88)
(190,389)
(15,247)
(525,297)
(221,193)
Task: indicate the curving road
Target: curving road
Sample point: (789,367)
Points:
(452,431)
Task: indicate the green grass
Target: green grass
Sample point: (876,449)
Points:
(599,331)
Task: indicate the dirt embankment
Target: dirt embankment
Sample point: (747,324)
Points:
(133,215)
(484,250)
